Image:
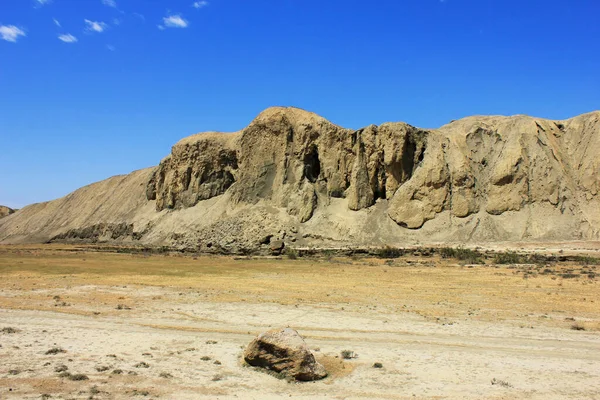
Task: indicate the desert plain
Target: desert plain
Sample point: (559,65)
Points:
(81,322)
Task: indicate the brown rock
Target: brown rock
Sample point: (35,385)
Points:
(284,351)
(276,246)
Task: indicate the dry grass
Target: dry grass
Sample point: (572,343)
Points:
(434,288)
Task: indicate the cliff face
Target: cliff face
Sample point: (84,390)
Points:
(476,179)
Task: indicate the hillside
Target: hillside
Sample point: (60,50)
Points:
(5,211)
(293,175)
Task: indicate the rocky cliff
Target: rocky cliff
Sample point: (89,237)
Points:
(295,176)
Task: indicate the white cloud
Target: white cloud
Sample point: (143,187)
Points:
(110,3)
(116,21)
(95,26)
(10,33)
(40,3)
(110,47)
(200,4)
(173,21)
(56,22)
(67,38)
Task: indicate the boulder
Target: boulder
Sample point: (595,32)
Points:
(284,351)
(276,246)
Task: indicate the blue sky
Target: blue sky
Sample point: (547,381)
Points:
(94,88)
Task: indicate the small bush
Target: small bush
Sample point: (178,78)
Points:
(292,254)
(462,254)
(378,365)
(61,368)
(501,383)
(79,377)
(508,258)
(569,275)
(205,358)
(102,368)
(577,327)
(142,365)
(586,260)
(117,372)
(14,371)
(348,354)
(389,252)
(9,330)
(56,350)
(165,375)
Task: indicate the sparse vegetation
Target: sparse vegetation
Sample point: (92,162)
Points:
(469,256)
(165,375)
(378,365)
(73,377)
(10,330)
(348,354)
(577,327)
(389,252)
(501,383)
(55,350)
(205,358)
(508,257)
(117,372)
(292,254)
(102,368)
(61,368)
(142,365)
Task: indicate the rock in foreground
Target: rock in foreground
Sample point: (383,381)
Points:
(284,351)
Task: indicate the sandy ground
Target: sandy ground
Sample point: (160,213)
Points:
(174,327)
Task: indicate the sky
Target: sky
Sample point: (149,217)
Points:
(95,88)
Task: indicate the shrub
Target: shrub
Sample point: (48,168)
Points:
(348,354)
(508,258)
(500,383)
(378,365)
(462,254)
(61,368)
(577,327)
(292,254)
(389,252)
(56,350)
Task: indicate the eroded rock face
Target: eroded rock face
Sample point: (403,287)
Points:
(483,178)
(284,351)
(294,159)
(198,168)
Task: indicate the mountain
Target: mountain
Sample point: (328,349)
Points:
(293,175)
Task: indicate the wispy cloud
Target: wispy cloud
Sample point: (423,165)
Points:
(56,22)
(67,38)
(110,47)
(40,3)
(10,33)
(93,26)
(173,21)
(140,16)
(199,4)
(110,3)
(116,21)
